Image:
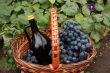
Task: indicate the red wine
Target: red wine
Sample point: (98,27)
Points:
(39,43)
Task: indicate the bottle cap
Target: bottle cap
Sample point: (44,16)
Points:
(30,17)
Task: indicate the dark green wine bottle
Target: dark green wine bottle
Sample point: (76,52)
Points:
(39,43)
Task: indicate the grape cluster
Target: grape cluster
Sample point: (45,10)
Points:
(29,57)
(74,44)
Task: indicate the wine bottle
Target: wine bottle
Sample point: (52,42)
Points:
(39,43)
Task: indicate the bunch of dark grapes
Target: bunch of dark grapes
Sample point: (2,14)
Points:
(29,57)
(74,44)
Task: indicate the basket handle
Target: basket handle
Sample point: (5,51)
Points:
(55,39)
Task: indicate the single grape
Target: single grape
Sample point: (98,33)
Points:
(74,42)
(79,44)
(82,55)
(65,33)
(84,41)
(75,54)
(70,53)
(74,59)
(73,38)
(65,59)
(64,51)
(65,26)
(69,48)
(75,34)
(72,31)
(30,51)
(88,45)
(70,35)
(61,43)
(78,39)
(61,34)
(76,48)
(72,47)
(61,47)
(84,37)
(25,56)
(81,33)
(29,55)
(62,56)
(83,47)
(68,62)
(71,25)
(68,40)
(28,59)
(75,28)
(70,58)
(33,59)
(77,31)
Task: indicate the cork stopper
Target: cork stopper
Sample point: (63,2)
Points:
(30,17)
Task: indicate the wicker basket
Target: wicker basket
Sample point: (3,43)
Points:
(20,45)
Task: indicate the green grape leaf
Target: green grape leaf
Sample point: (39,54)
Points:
(98,17)
(10,60)
(86,26)
(47,15)
(25,3)
(85,10)
(70,8)
(5,10)
(22,19)
(61,18)
(60,1)
(52,1)
(88,20)
(38,12)
(13,19)
(82,1)
(9,52)
(36,6)
(99,1)
(18,8)
(28,10)
(42,1)
(4,19)
(97,26)
(98,45)
(7,2)
(106,21)
(99,7)
(42,20)
(79,18)
(96,36)
(35,1)
(45,5)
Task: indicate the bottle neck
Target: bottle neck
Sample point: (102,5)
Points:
(33,25)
